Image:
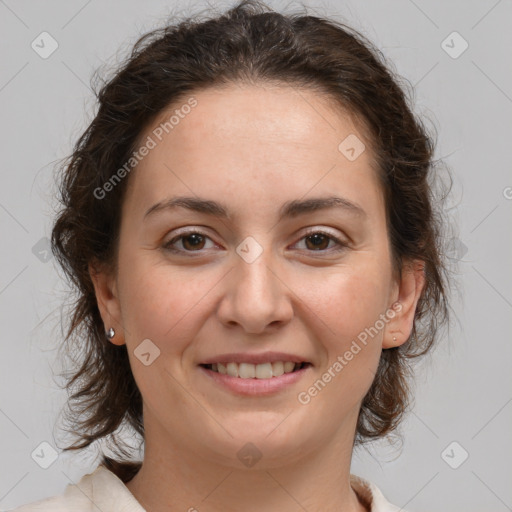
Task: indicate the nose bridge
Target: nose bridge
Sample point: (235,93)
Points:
(253,269)
(257,297)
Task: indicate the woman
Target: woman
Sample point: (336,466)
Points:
(249,224)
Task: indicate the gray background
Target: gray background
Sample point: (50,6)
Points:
(463,391)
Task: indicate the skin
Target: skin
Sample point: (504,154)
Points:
(253,148)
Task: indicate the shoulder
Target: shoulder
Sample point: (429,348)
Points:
(372,496)
(99,490)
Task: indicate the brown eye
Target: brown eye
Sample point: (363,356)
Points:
(319,241)
(190,241)
(193,241)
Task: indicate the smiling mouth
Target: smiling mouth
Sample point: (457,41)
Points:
(256,371)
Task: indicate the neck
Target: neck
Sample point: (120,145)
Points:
(177,478)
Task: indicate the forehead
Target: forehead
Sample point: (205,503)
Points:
(267,139)
(272,114)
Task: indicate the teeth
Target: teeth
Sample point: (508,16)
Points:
(258,371)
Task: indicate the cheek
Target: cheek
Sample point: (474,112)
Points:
(161,303)
(354,350)
(347,302)
(349,306)
(345,308)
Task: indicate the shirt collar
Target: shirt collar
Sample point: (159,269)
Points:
(110,493)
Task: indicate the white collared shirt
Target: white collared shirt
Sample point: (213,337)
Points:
(103,490)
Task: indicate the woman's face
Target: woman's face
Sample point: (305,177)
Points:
(267,277)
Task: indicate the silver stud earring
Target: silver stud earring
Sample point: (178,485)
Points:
(394,338)
(111,333)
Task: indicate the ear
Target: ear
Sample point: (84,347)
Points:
(105,288)
(407,294)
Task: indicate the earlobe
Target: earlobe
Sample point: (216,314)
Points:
(108,303)
(411,285)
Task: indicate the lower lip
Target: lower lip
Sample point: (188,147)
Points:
(252,387)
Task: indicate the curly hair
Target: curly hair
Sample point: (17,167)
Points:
(250,43)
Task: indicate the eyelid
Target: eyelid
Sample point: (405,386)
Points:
(188,230)
(341,244)
(325,231)
(181,233)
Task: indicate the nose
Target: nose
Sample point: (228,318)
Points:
(256,295)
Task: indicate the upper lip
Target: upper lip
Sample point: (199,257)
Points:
(264,357)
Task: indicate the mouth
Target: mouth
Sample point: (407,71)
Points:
(263,371)
(268,378)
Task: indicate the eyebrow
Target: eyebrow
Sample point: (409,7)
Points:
(289,209)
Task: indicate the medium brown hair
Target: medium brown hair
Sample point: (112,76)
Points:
(250,43)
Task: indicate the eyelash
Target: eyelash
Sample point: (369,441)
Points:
(341,245)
